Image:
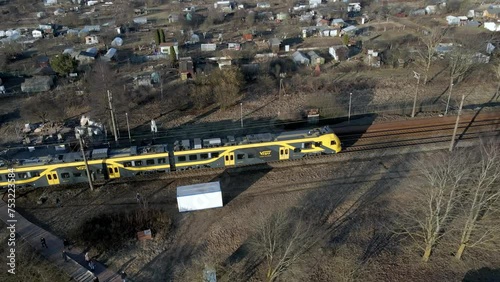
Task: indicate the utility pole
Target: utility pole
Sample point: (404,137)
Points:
(128,128)
(417,76)
(110,98)
(85,161)
(452,143)
(350,102)
(449,98)
(241,114)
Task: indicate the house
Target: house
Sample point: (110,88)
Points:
(92,50)
(49,2)
(462,20)
(225,6)
(85,57)
(140,20)
(452,20)
(173,18)
(372,59)
(315,58)
(430,9)
(263,5)
(186,68)
(339,52)
(195,38)
(274,44)
(59,11)
(109,55)
(493,12)
(322,22)
(165,48)
(234,46)
(300,59)
(337,23)
(299,6)
(444,48)
(330,32)
(492,26)
(281,16)
(208,47)
(479,58)
(37,33)
(37,84)
(314,3)
(354,7)
(91,39)
(247,37)
(350,30)
(117,42)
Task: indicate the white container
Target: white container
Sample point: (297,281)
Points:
(199,196)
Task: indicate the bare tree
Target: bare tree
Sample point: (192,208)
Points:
(460,62)
(481,199)
(425,56)
(439,191)
(282,241)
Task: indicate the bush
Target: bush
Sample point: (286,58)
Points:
(109,231)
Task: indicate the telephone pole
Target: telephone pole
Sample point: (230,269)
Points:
(85,161)
(452,143)
(417,76)
(110,98)
(128,128)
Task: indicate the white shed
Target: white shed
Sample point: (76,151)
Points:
(199,196)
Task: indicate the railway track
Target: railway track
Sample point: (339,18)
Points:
(389,136)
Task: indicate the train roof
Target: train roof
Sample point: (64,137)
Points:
(186,144)
(33,156)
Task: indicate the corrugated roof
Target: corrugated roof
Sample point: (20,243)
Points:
(196,189)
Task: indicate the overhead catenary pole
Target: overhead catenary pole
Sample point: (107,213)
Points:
(449,98)
(417,76)
(350,103)
(85,161)
(110,98)
(128,128)
(452,143)
(241,114)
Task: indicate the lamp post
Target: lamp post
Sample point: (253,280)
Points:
(417,76)
(350,103)
(128,128)
(241,114)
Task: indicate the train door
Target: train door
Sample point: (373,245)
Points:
(229,159)
(113,171)
(284,153)
(52,178)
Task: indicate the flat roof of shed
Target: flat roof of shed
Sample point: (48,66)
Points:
(196,189)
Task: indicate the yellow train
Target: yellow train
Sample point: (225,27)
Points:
(55,166)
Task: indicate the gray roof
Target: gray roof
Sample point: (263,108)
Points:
(197,189)
(274,41)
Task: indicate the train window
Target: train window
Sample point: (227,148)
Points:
(215,155)
(99,171)
(193,157)
(181,158)
(227,158)
(286,151)
(150,162)
(116,170)
(318,144)
(296,150)
(110,169)
(307,145)
(55,176)
(77,174)
(65,175)
(203,156)
(49,176)
(281,152)
(161,161)
(127,164)
(35,173)
(251,156)
(232,157)
(333,142)
(23,175)
(240,156)
(138,163)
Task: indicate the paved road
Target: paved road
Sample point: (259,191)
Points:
(75,267)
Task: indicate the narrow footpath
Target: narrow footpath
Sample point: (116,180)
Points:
(75,266)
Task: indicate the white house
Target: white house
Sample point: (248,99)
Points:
(91,39)
(165,48)
(314,3)
(37,33)
(492,26)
